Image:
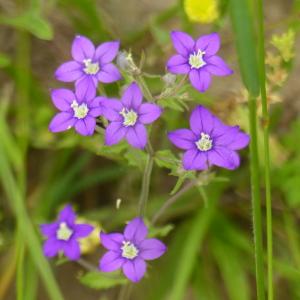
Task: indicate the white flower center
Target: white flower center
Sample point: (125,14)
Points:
(129,250)
(204,143)
(90,67)
(80,111)
(196,60)
(64,232)
(130,117)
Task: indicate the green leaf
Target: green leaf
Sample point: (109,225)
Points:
(31,22)
(246,44)
(166,159)
(100,281)
(160,231)
(136,158)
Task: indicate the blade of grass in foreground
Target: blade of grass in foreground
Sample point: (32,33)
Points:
(246,47)
(13,193)
(193,242)
(265,114)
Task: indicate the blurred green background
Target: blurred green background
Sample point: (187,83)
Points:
(210,253)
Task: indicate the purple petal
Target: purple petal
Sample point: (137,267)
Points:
(178,64)
(96,107)
(51,247)
(149,112)
(135,230)
(202,120)
(69,71)
(137,136)
(82,230)
(106,52)
(71,249)
(182,138)
(209,43)
(133,96)
(82,48)
(114,132)
(223,157)
(49,229)
(134,270)
(109,73)
(61,122)
(62,98)
(193,159)
(183,43)
(111,261)
(85,88)
(152,249)
(217,66)
(232,138)
(67,215)
(112,241)
(111,109)
(86,126)
(200,79)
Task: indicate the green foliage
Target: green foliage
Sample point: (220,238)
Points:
(32,22)
(101,281)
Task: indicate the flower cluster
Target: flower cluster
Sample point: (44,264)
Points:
(127,251)
(208,142)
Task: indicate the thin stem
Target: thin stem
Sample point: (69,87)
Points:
(87,265)
(256,201)
(146,92)
(265,114)
(171,201)
(169,93)
(145,185)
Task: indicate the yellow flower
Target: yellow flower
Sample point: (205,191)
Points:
(202,11)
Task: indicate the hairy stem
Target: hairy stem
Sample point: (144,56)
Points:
(256,201)
(265,114)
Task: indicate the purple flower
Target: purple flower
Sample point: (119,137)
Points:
(90,65)
(197,59)
(79,110)
(130,250)
(63,234)
(128,117)
(209,142)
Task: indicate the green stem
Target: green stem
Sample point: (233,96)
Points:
(20,265)
(265,114)
(172,200)
(141,81)
(145,185)
(256,201)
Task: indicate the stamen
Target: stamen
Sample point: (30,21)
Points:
(204,143)
(80,111)
(64,232)
(196,60)
(129,250)
(130,117)
(90,68)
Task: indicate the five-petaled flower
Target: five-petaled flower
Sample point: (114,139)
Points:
(90,65)
(128,117)
(63,234)
(209,142)
(197,58)
(76,109)
(130,250)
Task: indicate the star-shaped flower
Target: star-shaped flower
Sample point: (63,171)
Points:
(209,142)
(78,110)
(90,65)
(197,58)
(128,117)
(63,235)
(130,250)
